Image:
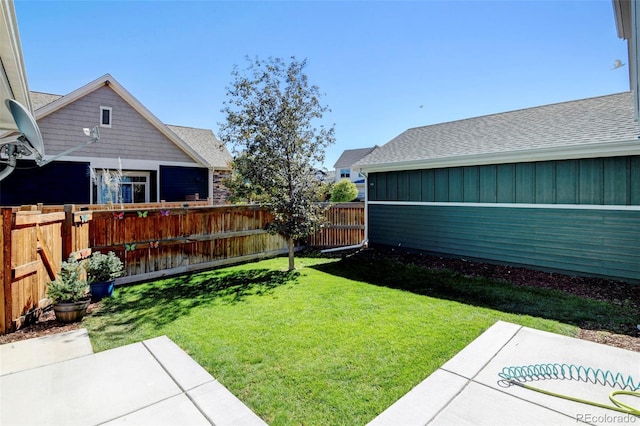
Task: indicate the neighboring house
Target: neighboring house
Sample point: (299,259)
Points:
(555,187)
(216,154)
(158,161)
(344,170)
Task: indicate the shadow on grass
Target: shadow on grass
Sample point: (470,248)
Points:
(163,301)
(494,294)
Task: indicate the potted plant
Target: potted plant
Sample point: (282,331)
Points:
(69,292)
(102,270)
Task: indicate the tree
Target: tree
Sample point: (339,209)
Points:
(344,191)
(270,111)
(241,188)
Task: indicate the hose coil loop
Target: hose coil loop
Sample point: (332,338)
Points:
(530,373)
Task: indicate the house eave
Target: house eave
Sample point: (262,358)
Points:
(594,150)
(13,76)
(622,12)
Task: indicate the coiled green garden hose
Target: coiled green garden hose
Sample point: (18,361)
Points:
(519,376)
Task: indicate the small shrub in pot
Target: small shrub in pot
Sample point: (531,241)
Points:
(102,270)
(68,292)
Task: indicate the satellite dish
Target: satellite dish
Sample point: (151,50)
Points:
(28,127)
(30,142)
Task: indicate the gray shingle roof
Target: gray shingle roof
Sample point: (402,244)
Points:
(39,99)
(206,144)
(351,156)
(567,124)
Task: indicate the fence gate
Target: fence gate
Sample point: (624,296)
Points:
(31,256)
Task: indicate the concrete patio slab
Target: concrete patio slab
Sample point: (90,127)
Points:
(177,410)
(222,407)
(468,389)
(184,370)
(154,382)
(31,353)
(142,383)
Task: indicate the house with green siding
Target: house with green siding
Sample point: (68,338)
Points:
(555,187)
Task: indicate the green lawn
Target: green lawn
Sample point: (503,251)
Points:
(333,343)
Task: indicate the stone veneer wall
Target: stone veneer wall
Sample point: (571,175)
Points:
(220,191)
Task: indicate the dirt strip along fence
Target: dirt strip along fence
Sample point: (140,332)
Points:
(152,242)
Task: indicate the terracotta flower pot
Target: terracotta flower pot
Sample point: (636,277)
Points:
(71,311)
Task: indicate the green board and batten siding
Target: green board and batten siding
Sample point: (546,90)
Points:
(580,216)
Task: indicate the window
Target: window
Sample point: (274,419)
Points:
(345,173)
(105,116)
(134,189)
(115,188)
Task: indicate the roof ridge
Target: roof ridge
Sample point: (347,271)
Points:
(519,109)
(45,93)
(188,127)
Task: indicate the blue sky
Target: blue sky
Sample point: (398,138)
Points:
(384,66)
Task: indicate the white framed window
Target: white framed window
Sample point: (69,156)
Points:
(105,116)
(126,187)
(345,173)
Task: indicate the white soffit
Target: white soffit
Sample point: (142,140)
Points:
(13,76)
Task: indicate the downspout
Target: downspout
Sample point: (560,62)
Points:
(366,205)
(634,57)
(210,186)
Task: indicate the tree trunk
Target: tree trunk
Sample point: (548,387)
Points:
(292,265)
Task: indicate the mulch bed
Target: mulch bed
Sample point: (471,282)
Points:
(45,325)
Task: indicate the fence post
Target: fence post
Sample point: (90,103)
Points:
(6,222)
(68,231)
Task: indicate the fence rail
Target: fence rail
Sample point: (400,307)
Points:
(130,206)
(345,227)
(152,242)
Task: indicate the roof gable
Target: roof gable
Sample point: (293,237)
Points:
(553,130)
(351,156)
(50,104)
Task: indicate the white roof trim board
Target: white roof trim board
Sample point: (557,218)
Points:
(107,79)
(13,76)
(596,127)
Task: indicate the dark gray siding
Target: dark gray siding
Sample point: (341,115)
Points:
(178,182)
(60,182)
(600,181)
(585,241)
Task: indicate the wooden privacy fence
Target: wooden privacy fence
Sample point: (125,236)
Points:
(33,247)
(152,242)
(345,227)
(157,242)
